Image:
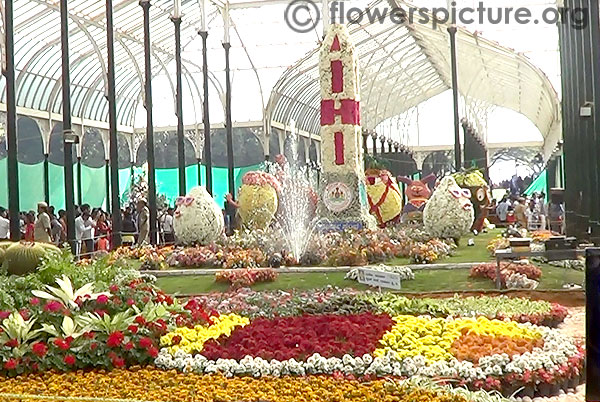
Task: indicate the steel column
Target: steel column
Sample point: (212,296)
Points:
(205,117)
(149,125)
(46,180)
(113,203)
(229,128)
(179,107)
(457,156)
(79,197)
(374,138)
(107,184)
(11,124)
(594,26)
(66,114)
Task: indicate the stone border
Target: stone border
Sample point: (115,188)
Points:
(299,270)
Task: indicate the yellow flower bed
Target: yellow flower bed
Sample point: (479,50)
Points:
(156,385)
(432,338)
(193,339)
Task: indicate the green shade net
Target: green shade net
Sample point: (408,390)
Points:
(539,185)
(31,183)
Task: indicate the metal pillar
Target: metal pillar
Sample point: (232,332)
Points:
(205,117)
(11,124)
(229,128)
(69,139)
(594,26)
(46,180)
(457,156)
(179,106)
(107,184)
(113,203)
(149,125)
(79,197)
(199,166)
(374,137)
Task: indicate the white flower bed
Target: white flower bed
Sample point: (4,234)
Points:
(556,351)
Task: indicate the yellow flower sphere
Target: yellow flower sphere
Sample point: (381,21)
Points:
(257,205)
(385,200)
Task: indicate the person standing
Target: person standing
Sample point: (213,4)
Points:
(521,212)
(129,229)
(143,221)
(4,225)
(83,230)
(42,228)
(502,209)
(167,226)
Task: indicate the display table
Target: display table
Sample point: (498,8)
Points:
(553,255)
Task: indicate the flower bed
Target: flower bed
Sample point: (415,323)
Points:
(278,303)
(512,275)
(156,385)
(286,338)
(100,317)
(263,248)
(465,351)
(239,278)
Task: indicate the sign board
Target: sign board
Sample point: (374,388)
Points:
(381,279)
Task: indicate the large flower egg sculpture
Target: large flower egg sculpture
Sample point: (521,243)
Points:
(198,218)
(449,213)
(258,199)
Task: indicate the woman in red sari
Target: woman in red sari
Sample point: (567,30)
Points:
(103,232)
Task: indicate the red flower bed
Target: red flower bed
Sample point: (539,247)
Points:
(285,338)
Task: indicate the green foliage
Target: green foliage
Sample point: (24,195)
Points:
(15,291)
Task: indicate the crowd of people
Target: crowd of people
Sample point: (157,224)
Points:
(93,226)
(531,213)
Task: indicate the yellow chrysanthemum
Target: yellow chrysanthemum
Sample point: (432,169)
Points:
(193,339)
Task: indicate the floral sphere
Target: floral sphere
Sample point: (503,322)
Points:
(258,199)
(449,212)
(385,200)
(198,218)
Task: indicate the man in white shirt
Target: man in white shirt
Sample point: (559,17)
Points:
(167,226)
(4,226)
(502,209)
(83,230)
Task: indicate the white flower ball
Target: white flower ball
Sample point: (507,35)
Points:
(198,218)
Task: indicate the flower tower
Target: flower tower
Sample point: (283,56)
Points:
(344,198)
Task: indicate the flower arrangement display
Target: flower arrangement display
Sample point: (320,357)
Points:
(383,194)
(198,218)
(258,200)
(239,278)
(449,212)
(406,274)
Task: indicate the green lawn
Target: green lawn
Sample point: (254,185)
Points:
(425,281)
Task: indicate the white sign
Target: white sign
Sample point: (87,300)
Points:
(379,279)
(337,197)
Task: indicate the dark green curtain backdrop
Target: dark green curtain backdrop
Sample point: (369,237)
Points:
(31,183)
